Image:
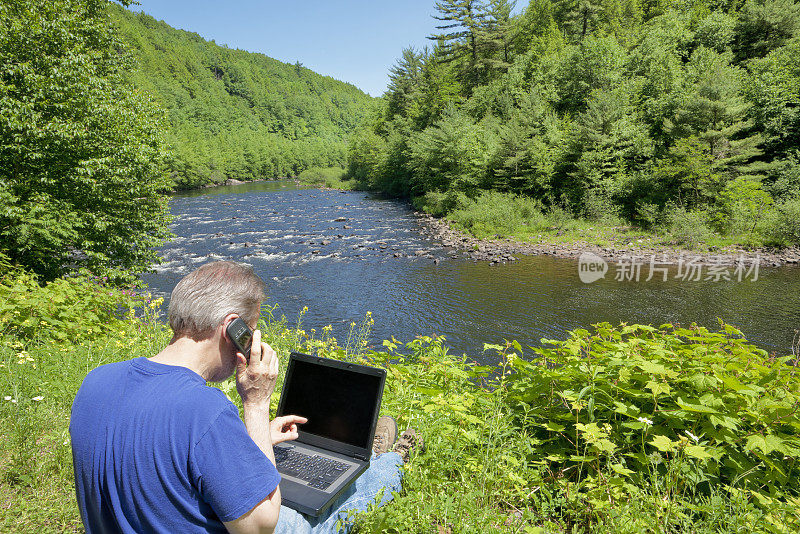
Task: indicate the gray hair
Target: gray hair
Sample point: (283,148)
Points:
(204,297)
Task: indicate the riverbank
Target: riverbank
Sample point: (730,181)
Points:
(615,244)
(321,177)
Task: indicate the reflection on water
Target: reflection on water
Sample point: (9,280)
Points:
(345,253)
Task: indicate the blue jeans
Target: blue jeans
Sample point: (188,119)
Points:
(383,473)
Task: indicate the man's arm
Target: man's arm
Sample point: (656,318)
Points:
(255,382)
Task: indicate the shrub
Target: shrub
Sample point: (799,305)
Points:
(688,228)
(601,209)
(64,309)
(333,177)
(781,226)
(613,410)
(741,206)
(647,213)
(81,154)
(499,213)
(634,397)
(559,217)
(622,429)
(432,202)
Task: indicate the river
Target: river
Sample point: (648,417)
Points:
(343,254)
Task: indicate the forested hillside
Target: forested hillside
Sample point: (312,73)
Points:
(664,114)
(236,114)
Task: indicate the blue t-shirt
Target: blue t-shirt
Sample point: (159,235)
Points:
(156,450)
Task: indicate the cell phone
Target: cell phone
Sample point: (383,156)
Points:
(241,335)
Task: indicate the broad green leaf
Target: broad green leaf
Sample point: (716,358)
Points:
(765,443)
(724,421)
(733,383)
(604,445)
(697,408)
(654,368)
(629,410)
(697,451)
(663,443)
(553,427)
(472,419)
(658,387)
(756,441)
(622,470)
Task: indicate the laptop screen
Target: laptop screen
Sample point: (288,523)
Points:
(338,403)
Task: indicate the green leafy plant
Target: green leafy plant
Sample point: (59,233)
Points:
(704,410)
(64,309)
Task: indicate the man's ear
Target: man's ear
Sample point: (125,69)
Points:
(225,322)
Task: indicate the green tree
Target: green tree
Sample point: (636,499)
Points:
(529,150)
(773,88)
(608,142)
(741,205)
(535,23)
(594,64)
(449,154)
(441,87)
(405,83)
(685,174)
(577,18)
(458,41)
(765,25)
(496,37)
(80,182)
(363,155)
(392,173)
(713,109)
(716,31)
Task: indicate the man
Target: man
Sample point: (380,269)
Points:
(157,450)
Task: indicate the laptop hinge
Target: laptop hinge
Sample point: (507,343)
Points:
(361,457)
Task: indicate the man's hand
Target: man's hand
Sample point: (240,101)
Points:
(285,428)
(255,379)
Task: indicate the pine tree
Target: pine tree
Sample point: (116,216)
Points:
(608,142)
(459,39)
(495,37)
(765,25)
(577,18)
(714,111)
(529,151)
(405,79)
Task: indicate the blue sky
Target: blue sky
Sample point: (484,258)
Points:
(356,41)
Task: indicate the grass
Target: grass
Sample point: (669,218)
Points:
(514,447)
(500,215)
(329,177)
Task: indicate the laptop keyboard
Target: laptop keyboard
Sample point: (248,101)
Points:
(318,471)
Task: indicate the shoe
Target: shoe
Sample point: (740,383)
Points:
(409,441)
(385,435)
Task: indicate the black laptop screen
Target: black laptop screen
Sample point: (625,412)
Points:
(339,404)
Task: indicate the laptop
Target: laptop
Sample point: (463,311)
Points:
(342,402)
